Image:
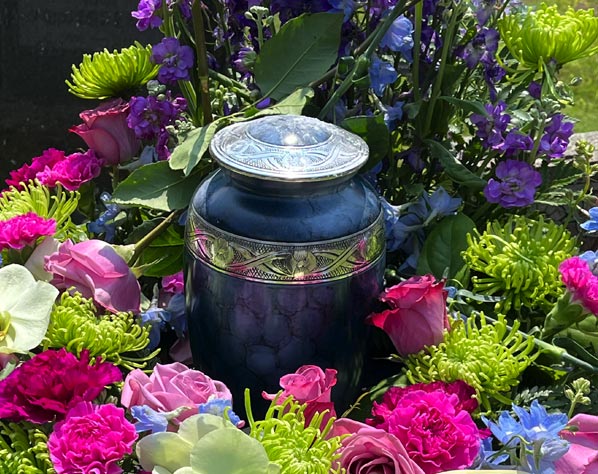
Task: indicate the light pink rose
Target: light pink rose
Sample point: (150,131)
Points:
(582,457)
(171,386)
(417,317)
(370,450)
(106,132)
(311,385)
(95,270)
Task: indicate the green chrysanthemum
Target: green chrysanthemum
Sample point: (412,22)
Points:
(537,37)
(75,326)
(23,451)
(36,198)
(489,357)
(519,262)
(296,448)
(115,74)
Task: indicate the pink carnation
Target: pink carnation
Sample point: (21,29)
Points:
(580,282)
(91,439)
(45,387)
(173,283)
(26,173)
(75,170)
(433,424)
(19,231)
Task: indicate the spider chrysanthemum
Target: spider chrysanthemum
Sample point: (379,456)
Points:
(519,261)
(488,356)
(115,74)
(24,451)
(76,326)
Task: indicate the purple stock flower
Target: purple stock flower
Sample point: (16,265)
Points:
(535,89)
(382,73)
(399,37)
(146,14)
(516,184)
(516,141)
(184,6)
(481,48)
(149,116)
(176,60)
(245,59)
(491,127)
(483,9)
(556,136)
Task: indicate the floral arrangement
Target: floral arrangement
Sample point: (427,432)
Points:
(488,324)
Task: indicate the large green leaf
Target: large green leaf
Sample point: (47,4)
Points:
(158,187)
(301,52)
(375,132)
(471,106)
(453,167)
(291,105)
(164,256)
(188,154)
(441,253)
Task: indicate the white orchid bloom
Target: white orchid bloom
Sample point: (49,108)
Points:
(25,307)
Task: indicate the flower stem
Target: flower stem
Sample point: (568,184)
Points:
(202,62)
(150,237)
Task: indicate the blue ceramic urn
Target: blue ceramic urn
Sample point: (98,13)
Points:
(284,255)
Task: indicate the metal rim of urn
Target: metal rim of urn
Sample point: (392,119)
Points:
(289,148)
(285,263)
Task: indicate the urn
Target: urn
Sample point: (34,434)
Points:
(285,255)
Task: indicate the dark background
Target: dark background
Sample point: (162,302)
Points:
(39,40)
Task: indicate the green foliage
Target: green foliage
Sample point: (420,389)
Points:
(58,205)
(296,448)
(164,256)
(187,155)
(489,357)
(115,74)
(375,132)
(76,326)
(302,51)
(24,450)
(519,261)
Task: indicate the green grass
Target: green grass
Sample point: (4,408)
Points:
(585,108)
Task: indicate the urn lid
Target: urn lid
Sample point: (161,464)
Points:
(291,148)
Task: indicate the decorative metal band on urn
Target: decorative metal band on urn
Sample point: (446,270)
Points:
(286,263)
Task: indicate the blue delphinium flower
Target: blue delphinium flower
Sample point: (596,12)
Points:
(382,73)
(220,407)
(592,259)
(481,48)
(148,419)
(103,224)
(392,114)
(591,225)
(535,434)
(399,37)
(515,185)
(345,6)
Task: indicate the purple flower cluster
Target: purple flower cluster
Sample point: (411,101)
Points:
(492,127)
(516,141)
(147,14)
(481,48)
(515,185)
(175,60)
(149,117)
(556,137)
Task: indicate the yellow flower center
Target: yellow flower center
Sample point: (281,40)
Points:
(4,324)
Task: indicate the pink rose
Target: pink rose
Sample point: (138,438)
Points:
(371,451)
(106,132)
(170,387)
(417,317)
(582,457)
(434,426)
(311,385)
(95,270)
(91,439)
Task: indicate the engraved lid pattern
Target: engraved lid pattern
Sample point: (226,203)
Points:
(280,262)
(290,148)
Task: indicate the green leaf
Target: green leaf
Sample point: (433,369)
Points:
(576,349)
(375,132)
(188,154)
(164,256)
(158,187)
(453,167)
(291,105)
(441,253)
(472,106)
(302,51)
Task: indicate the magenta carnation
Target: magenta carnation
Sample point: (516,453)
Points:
(580,282)
(45,387)
(26,173)
(433,422)
(91,439)
(19,231)
(75,170)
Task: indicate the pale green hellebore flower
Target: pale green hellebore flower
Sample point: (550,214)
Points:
(204,444)
(25,307)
